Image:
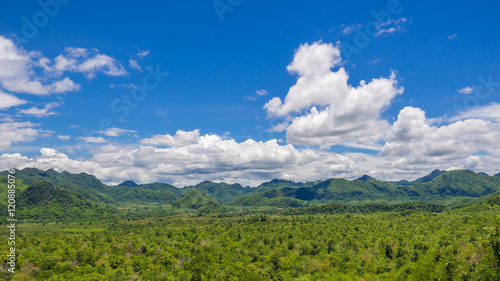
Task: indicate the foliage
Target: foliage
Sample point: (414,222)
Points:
(197,199)
(417,245)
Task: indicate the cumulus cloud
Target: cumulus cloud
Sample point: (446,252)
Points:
(63,137)
(19,69)
(40,112)
(412,140)
(210,158)
(88,62)
(17,72)
(181,138)
(7,101)
(335,112)
(14,132)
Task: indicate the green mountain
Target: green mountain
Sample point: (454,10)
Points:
(434,174)
(130,192)
(277,183)
(460,183)
(140,195)
(197,199)
(84,184)
(222,192)
(128,183)
(497,175)
(41,200)
(451,187)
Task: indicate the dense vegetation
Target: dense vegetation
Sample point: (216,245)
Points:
(408,245)
(73,227)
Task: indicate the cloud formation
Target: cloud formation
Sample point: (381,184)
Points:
(40,112)
(209,158)
(333,112)
(15,132)
(7,101)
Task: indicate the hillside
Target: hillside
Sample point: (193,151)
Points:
(84,184)
(222,192)
(450,188)
(453,187)
(131,192)
(41,201)
(197,199)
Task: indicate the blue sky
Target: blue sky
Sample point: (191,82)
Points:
(254,90)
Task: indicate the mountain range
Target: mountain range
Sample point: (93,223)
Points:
(39,189)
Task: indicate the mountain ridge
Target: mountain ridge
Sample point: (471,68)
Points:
(452,187)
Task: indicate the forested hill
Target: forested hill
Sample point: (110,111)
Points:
(451,188)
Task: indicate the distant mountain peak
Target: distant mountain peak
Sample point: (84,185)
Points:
(497,175)
(365,178)
(129,183)
(434,174)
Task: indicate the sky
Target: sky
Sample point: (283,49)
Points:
(249,91)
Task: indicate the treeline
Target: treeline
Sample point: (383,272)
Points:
(337,208)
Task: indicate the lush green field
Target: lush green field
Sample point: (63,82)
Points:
(457,244)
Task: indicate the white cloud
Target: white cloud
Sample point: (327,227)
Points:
(63,137)
(142,54)
(335,112)
(412,140)
(250,98)
(19,69)
(88,62)
(133,64)
(92,139)
(210,158)
(7,101)
(489,112)
(453,36)
(126,86)
(14,132)
(390,26)
(40,112)
(467,90)
(116,132)
(17,72)
(181,138)
(350,28)
(280,127)
(261,92)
